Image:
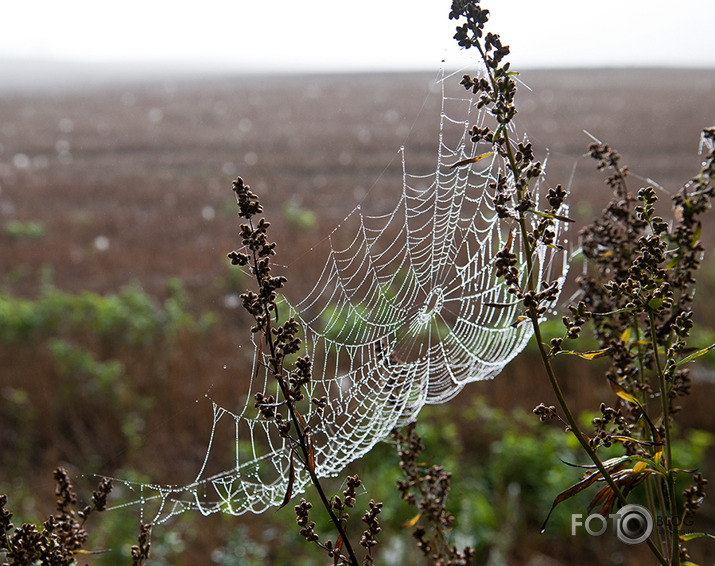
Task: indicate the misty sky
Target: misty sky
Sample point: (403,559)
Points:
(330,35)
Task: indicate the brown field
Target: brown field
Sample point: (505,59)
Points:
(132,180)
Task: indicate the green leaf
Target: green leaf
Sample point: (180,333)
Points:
(623,394)
(626,335)
(697,354)
(672,263)
(696,234)
(610,463)
(690,536)
(630,439)
(471,160)
(592,355)
(619,311)
(554,216)
(652,465)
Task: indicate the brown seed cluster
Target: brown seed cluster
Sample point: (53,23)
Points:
(58,540)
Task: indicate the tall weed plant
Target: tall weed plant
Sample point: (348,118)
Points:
(637,295)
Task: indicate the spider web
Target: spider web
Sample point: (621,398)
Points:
(406,311)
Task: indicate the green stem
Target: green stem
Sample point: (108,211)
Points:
(652,505)
(573,424)
(577,431)
(670,478)
(534,316)
(506,150)
(531,286)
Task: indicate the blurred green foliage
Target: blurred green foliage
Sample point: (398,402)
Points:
(507,467)
(299,216)
(70,356)
(131,315)
(30,230)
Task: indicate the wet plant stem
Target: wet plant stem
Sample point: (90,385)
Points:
(301,437)
(650,499)
(663,539)
(573,425)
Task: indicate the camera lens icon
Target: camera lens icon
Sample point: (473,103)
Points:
(633,524)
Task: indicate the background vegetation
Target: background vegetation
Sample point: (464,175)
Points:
(118,310)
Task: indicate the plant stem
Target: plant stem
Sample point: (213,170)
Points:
(652,505)
(503,144)
(670,479)
(534,317)
(576,430)
(573,424)
(302,442)
(663,540)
